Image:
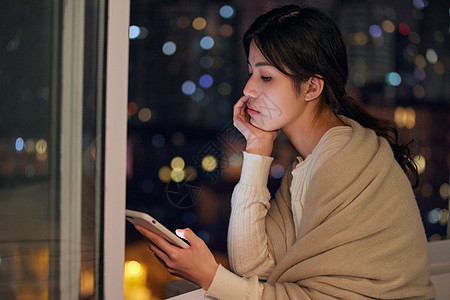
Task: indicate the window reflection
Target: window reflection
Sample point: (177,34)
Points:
(33,256)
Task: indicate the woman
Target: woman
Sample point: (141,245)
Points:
(344,222)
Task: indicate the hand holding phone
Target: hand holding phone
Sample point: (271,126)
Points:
(150,223)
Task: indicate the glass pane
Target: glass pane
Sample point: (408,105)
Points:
(28,149)
(92,149)
(34,126)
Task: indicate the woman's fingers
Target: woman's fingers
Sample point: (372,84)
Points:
(239,113)
(241,120)
(156,243)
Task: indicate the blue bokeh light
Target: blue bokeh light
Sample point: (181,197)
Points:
(19,144)
(158,140)
(169,48)
(393,78)
(206,42)
(375,30)
(188,87)
(206,81)
(419,4)
(226,11)
(134,32)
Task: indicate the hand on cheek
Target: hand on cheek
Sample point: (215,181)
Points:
(196,263)
(258,141)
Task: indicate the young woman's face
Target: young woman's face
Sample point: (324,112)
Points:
(273,101)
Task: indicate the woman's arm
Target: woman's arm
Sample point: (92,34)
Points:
(247,237)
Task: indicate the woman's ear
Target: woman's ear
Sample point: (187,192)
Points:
(315,88)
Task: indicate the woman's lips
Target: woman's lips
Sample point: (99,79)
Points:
(251,111)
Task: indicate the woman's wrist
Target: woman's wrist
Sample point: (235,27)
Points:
(209,277)
(260,148)
(262,144)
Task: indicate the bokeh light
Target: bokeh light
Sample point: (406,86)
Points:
(419,91)
(169,48)
(358,39)
(199,23)
(206,42)
(419,73)
(224,89)
(183,22)
(206,81)
(133,267)
(188,87)
(405,117)
(388,26)
(434,215)
(421,163)
(198,95)
(431,56)
(393,79)
(30,146)
(277,171)
(41,146)
(177,163)
(443,220)
(375,30)
(444,191)
(132,108)
(358,79)
(235,160)
(177,175)
(145,114)
(226,30)
(414,38)
(206,61)
(143,32)
(419,4)
(134,32)
(190,173)
(420,61)
(226,11)
(439,68)
(209,163)
(19,144)
(404,29)
(427,190)
(164,174)
(158,140)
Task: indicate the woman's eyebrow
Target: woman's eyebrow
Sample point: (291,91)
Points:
(260,64)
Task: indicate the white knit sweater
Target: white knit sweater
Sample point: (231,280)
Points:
(247,240)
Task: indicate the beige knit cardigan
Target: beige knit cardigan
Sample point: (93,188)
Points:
(361,234)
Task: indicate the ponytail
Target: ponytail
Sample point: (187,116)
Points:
(351,108)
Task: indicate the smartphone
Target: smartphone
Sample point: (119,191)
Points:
(150,223)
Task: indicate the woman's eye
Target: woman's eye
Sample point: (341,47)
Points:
(266,78)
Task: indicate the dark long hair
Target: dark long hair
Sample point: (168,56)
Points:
(304,43)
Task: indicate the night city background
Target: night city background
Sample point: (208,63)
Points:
(188,68)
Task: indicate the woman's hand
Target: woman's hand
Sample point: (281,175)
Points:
(258,141)
(196,263)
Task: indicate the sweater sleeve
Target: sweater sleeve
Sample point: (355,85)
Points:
(229,286)
(247,238)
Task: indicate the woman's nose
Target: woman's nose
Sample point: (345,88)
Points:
(249,88)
